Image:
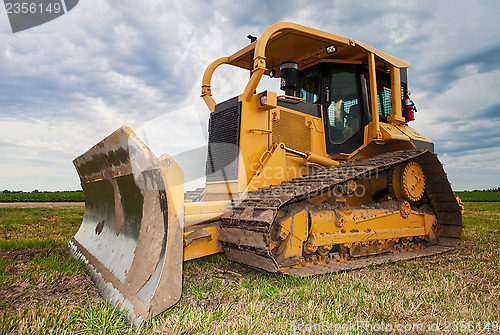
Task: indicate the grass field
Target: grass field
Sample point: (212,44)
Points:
(44,291)
(479,196)
(75,196)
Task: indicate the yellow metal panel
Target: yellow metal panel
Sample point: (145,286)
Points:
(381,234)
(391,60)
(243,58)
(197,212)
(319,126)
(396,116)
(412,133)
(272,171)
(271,100)
(291,128)
(205,207)
(296,37)
(224,190)
(366,225)
(374,127)
(253,144)
(218,187)
(390,132)
(203,246)
(294,231)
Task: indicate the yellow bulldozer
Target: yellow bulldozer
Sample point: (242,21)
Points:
(326,177)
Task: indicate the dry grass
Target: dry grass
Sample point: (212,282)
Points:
(220,297)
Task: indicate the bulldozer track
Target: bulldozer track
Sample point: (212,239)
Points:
(248,223)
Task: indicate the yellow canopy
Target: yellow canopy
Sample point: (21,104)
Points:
(290,42)
(285,41)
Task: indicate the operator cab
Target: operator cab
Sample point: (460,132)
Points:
(343,92)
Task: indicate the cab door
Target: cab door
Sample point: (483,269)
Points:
(345,108)
(342,92)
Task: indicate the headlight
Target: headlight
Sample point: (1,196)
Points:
(263,100)
(331,49)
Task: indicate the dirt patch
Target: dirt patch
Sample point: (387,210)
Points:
(25,255)
(71,290)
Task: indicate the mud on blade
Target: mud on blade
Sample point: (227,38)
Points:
(131,234)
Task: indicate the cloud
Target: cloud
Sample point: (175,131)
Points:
(481,165)
(69,83)
(463,122)
(490,113)
(443,76)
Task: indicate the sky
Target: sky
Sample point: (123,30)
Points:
(68,83)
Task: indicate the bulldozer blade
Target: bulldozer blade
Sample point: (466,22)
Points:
(132,231)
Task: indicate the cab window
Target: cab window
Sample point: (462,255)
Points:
(344,112)
(309,86)
(384,96)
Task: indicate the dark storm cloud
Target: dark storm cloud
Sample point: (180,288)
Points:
(125,43)
(486,139)
(485,115)
(442,76)
(475,130)
(490,113)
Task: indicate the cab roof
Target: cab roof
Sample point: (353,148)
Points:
(290,42)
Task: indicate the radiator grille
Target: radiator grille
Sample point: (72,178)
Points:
(223,142)
(291,129)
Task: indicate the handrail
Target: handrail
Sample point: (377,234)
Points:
(206,90)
